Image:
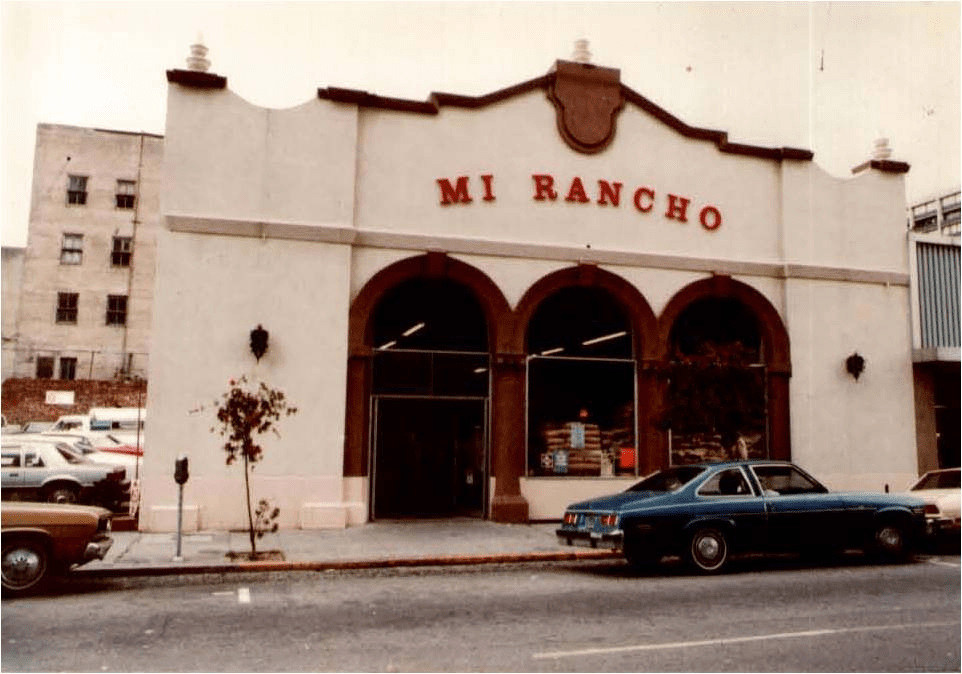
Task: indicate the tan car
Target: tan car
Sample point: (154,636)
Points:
(43,539)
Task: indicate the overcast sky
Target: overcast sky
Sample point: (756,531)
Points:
(829,77)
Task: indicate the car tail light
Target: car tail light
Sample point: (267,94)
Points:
(931,509)
(608,520)
(570,518)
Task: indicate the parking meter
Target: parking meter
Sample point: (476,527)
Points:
(180,470)
(180,477)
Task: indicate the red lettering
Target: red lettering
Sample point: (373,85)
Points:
(544,187)
(644,192)
(677,208)
(577,192)
(454,195)
(710,218)
(488,188)
(607,193)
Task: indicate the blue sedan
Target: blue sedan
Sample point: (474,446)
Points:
(707,512)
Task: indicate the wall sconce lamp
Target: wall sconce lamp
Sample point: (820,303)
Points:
(259,341)
(855,365)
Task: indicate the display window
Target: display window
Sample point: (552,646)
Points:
(580,387)
(715,402)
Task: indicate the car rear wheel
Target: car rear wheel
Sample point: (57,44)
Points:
(708,550)
(62,494)
(24,564)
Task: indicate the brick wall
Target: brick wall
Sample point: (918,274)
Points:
(25,399)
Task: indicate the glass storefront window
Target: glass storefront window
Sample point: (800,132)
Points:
(581,417)
(581,387)
(715,402)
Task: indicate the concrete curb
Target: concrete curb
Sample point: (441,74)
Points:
(179,569)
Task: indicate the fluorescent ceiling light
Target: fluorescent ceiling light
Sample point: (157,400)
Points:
(558,349)
(388,345)
(414,328)
(479,370)
(604,338)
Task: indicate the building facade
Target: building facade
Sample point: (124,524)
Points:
(934,260)
(492,306)
(12,269)
(86,284)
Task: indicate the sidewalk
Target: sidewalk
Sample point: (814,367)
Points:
(372,545)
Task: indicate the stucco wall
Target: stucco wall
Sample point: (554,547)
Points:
(227,158)
(211,292)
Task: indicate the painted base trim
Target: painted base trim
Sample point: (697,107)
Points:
(164,518)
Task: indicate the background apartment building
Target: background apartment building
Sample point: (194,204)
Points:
(86,282)
(934,260)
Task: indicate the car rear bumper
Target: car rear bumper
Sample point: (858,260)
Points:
(612,540)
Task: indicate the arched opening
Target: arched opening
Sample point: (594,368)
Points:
(430,384)
(581,385)
(715,404)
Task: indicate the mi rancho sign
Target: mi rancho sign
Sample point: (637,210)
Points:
(608,193)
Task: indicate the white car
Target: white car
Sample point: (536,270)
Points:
(940,491)
(83,444)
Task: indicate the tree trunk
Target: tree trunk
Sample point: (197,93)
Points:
(250,515)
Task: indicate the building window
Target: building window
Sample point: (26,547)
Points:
(68,368)
(77,190)
(72,249)
(44,367)
(120,255)
(126,193)
(116,309)
(67,307)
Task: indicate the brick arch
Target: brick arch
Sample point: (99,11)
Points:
(498,318)
(644,328)
(639,312)
(497,313)
(776,350)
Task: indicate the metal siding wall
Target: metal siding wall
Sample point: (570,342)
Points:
(938,272)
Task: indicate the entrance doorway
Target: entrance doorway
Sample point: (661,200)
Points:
(429,412)
(430,458)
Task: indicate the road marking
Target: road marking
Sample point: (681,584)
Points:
(556,655)
(223,593)
(243,595)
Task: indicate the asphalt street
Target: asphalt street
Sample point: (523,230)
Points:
(782,615)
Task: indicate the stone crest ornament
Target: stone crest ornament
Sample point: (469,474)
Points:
(587,100)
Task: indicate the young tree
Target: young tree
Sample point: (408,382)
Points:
(245,412)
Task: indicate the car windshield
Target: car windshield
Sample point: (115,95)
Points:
(942,480)
(671,479)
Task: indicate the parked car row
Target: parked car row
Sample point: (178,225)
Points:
(39,468)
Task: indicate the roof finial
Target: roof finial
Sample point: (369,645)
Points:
(198,56)
(881,149)
(581,53)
